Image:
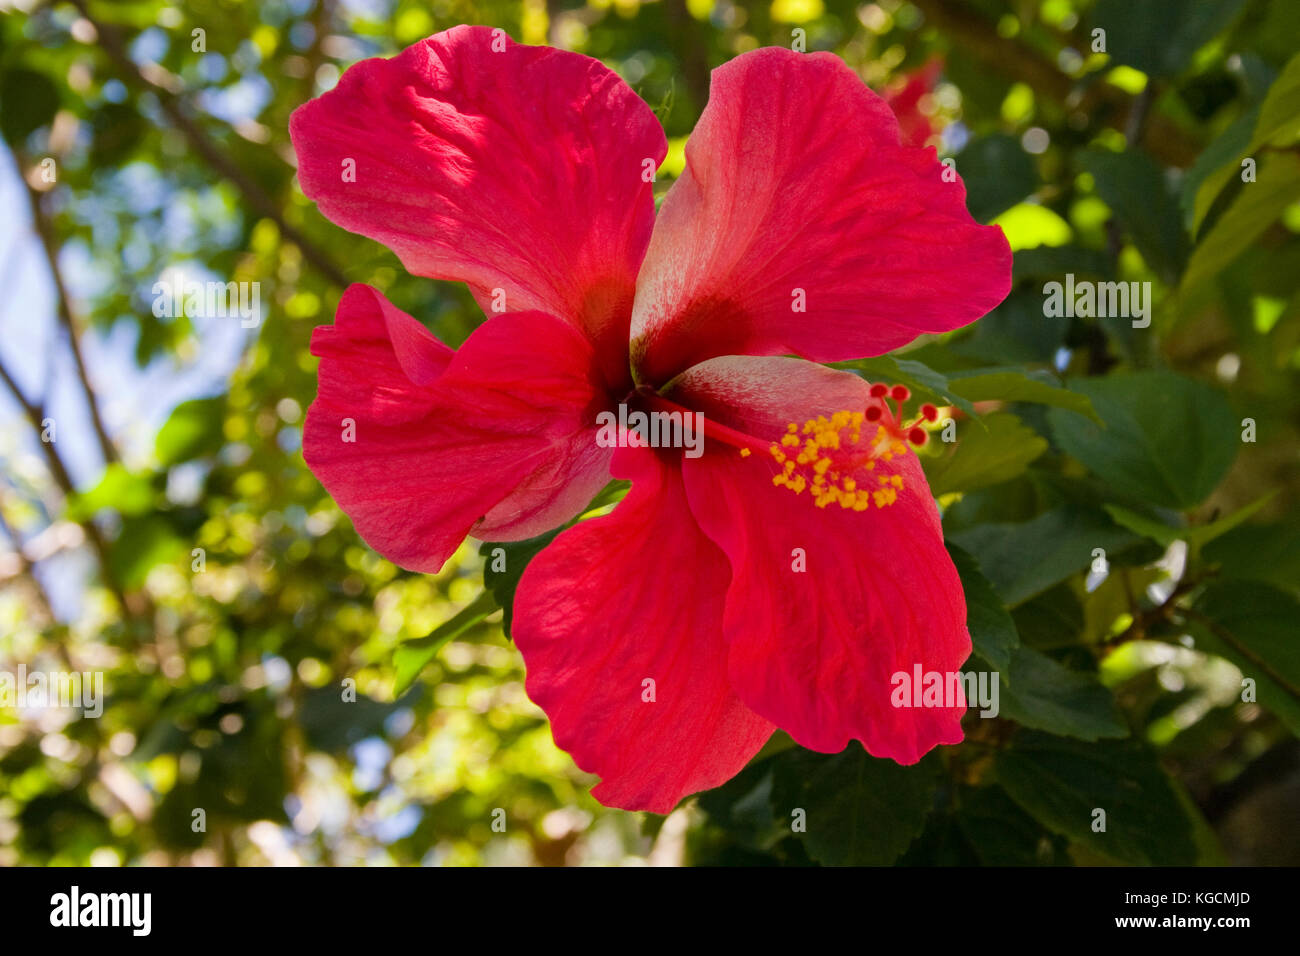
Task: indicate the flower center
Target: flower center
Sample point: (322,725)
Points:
(834,458)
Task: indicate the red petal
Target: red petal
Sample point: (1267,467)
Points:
(815,651)
(796,185)
(485,439)
(519,170)
(633,596)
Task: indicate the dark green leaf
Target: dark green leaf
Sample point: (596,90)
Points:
(993,633)
(1024,559)
(998,173)
(1052,619)
(1134,187)
(1062,782)
(860,810)
(28,101)
(1168,439)
(1018,385)
(1254,625)
(1262,552)
(1043,695)
(1160,37)
(1001,833)
(503,565)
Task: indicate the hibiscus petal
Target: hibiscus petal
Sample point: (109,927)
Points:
(796,187)
(421,445)
(815,650)
(509,167)
(619,600)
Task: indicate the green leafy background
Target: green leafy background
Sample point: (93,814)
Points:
(1122,669)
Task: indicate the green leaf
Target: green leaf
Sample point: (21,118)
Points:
(1253,624)
(410,658)
(860,810)
(193,429)
(1043,695)
(1062,782)
(28,101)
(1051,262)
(117,130)
(1257,206)
(1261,552)
(1215,167)
(1279,115)
(1016,331)
(145,541)
(997,172)
(1168,439)
(1002,450)
(992,631)
(1198,535)
(123,491)
(503,565)
(1157,531)
(1026,558)
(743,807)
(1167,33)
(333,724)
(505,561)
(1052,619)
(1134,187)
(1274,121)
(1000,832)
(1018,385)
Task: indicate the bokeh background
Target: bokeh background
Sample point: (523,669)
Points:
(170,536)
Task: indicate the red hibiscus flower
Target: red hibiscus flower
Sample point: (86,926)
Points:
(781,577)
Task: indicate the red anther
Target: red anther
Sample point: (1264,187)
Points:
(873,413)
(879,391)
(899,393)
(917,436)
(929,412)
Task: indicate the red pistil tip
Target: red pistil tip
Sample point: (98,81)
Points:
(873,413)
(899,393)
(879,391)
(929,412)
(917,436)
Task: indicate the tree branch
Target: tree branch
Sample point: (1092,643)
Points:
(45,230)
(176,113)
(35,415)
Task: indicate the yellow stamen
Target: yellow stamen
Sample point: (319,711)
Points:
(832,460)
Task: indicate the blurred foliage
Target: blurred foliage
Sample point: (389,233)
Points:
(266,667)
